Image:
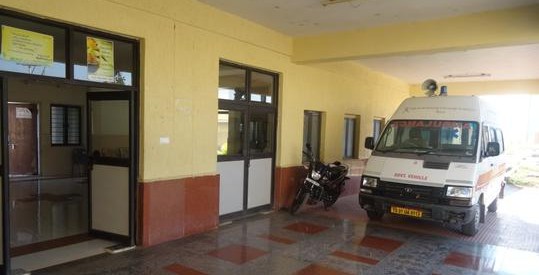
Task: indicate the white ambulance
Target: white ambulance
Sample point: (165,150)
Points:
(439,158)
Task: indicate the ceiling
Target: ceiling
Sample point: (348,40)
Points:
(310,17)
(502,63)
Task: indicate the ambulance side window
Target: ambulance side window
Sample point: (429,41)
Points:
(484,141)
(499,138)
(492,135)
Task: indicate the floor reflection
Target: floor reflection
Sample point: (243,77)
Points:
(43,209)
(341,240)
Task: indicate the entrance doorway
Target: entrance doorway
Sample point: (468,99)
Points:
(22,139)
(83,187)
(109,139)
(246,139)
(54,164)
(48,200)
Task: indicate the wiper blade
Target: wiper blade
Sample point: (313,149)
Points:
(426,151)
(418,150)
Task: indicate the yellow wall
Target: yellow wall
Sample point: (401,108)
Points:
(335,89)
(486,87)
(182,42)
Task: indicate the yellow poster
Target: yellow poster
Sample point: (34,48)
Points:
(100,59)
(27,47)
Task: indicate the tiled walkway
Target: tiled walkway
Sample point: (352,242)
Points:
(339,241)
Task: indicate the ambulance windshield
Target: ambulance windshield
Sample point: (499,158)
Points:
(456,138)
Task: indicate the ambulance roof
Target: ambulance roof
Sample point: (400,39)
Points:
(461,108)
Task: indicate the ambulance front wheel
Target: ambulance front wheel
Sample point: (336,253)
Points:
(472,227)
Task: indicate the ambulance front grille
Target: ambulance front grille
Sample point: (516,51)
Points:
(436,165)
(412,193)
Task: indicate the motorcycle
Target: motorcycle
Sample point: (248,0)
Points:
(323,182)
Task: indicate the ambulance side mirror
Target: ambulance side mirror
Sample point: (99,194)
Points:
(493,149)
(369,143)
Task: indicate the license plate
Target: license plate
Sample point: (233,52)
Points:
(406,211)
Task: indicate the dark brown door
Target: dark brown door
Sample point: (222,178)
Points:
(22,138)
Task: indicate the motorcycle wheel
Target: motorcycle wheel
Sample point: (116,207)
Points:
(298,200)
(332,199)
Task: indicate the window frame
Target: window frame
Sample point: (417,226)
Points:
(65,130)
(45,23)
(69,52)
(247,85)
(247,106)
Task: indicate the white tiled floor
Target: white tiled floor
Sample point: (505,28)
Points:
(60,255)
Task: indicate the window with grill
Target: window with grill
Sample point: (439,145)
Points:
(65,125)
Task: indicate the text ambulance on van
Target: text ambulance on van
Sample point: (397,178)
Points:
(439,158)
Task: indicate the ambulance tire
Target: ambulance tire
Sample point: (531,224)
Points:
(493,206)
(471,228)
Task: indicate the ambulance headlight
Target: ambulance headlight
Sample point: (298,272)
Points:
(369,182)
(459,192)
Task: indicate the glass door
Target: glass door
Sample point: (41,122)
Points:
(245,139)
(111,176)
(260,168)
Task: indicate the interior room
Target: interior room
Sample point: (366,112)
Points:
(49,166)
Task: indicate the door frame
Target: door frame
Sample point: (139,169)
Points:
(248,107)
(4,170)
(68,79)
(132,97)
(38,129)
(246,157)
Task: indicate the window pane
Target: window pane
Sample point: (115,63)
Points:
(499,138)
(73,125)
(110,128)
(34,38)
(261,87)
(231,83)
(57,125)
(261,133)
(65,122)
(102,59)
(230,132)
(377,128)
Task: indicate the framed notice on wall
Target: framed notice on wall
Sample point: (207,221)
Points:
(100,59)
(27,47)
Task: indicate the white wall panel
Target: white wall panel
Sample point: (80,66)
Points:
(110,199)
(259,187)
(231,186)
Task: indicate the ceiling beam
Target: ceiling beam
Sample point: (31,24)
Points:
(480,30)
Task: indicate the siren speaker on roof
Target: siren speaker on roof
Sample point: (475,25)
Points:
(429,86)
